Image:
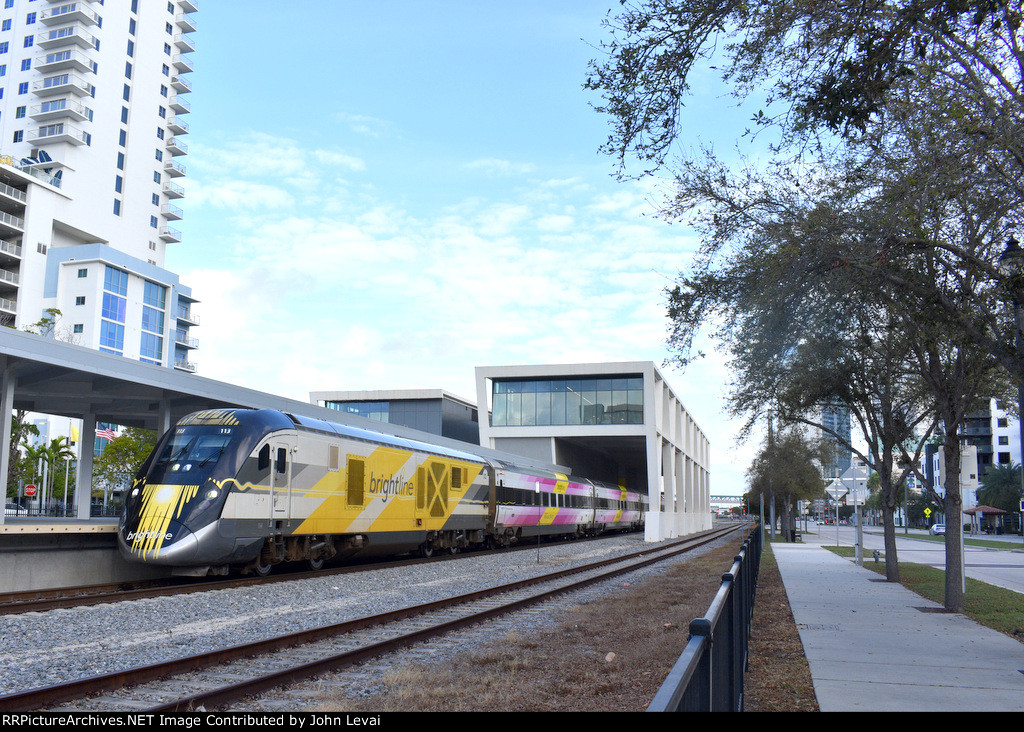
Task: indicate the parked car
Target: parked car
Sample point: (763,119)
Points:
(937,529)
(13,509)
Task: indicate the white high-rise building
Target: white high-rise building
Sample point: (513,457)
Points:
(93,100)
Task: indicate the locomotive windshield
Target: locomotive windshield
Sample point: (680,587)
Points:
(190,452)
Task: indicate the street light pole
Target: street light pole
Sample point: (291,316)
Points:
(1012,263)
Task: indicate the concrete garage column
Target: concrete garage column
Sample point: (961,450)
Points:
(670,530)
(7,406)
(683,502)
(163,418)
(83,494)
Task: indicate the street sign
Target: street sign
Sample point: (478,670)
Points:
(927,512)
(30,490)
(836,492)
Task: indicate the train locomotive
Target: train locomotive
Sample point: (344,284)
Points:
(244,489)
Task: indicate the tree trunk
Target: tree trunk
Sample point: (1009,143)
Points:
(952,505)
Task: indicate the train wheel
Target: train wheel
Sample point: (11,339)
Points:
(426,550)
(263,568)
(453,549)
(315,564)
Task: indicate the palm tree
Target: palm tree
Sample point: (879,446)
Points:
(1001,488)
(52,455)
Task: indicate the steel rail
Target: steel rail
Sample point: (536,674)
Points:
(13,603)
(35,699)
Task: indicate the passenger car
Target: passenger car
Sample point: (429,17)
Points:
(13,509)
(937,529)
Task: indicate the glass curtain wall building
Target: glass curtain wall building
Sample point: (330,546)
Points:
(618,423)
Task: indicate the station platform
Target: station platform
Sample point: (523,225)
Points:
(44,553)
(875,646)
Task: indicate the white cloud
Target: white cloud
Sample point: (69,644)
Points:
(498,167)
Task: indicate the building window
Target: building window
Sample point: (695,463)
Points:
(594,401)
(3,47)
(1001,422)
(26,64)
(79,328)
(118,183)
(19,112)
(80,300)
(19,135)
(113,312)
(153,221)
(154,298)
(30,19)
(117,207)
(83,273)
(29,40)
(23,87)
(6,25)
(1004,440)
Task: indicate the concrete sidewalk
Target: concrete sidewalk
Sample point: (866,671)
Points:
(875,646)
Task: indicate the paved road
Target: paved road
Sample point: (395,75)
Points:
(1000,567)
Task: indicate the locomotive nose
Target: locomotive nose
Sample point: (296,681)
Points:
(174,544)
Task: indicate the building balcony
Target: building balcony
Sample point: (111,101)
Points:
(7,305)
(10,252)
(8,280)
(182,365)
(174,169)
(187,22)
(60,108)
(184,43)
(177,126)
(15,195)
(173,190)
(170,235)
(179,104)
(59,132)
(67,59)
(188,6)
(171,213)
(62,84)
(184,341)
(66,36)
(11,225)
(185,315)
(183,63)
(176,147)
(69,13)
(181,84)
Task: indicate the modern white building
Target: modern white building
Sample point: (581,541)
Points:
(617,422)
(93,100)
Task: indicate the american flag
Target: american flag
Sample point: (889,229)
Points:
(106,434)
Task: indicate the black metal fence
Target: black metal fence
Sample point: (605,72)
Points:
(708,677)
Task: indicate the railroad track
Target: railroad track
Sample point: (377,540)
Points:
(12,603)
(213,680)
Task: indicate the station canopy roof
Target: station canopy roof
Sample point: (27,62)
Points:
(65,380)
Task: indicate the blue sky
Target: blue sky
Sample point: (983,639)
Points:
(386,195)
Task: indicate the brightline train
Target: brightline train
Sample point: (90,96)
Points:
(240,489)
